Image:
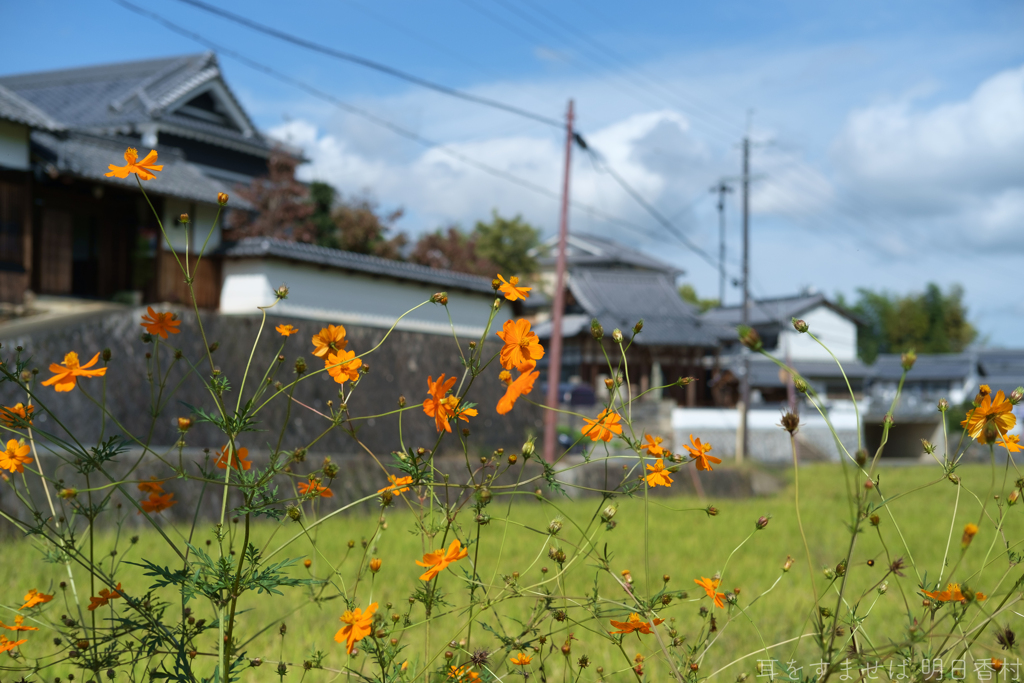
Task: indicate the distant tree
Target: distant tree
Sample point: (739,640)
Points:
(930,322)
(282,206)
(507,243)
(354,224)
(688,294)
(452,250)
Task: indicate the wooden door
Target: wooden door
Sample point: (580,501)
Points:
(55,261)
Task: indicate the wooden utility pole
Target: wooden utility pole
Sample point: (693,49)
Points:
(555,345)
(722,188)
(743,451)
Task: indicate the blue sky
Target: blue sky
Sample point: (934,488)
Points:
(889,135)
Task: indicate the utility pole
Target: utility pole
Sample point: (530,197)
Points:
(743,451)
(722,188)
(555,346)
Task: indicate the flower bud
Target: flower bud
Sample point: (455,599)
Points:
(875,519)
(943,405)
(1012,498)
(970,530)
(529,448)
(639,326)
(281,292)
(495,284)
(1016,395)
(626,576)
(184,424)
(293,513)
(711,511)
(929,447)
(183,218)
(300,366)
(222,198)
(749,337)
(788,564)
(617,335)
(440,298)
(800,384)
(907,359)
(596,330)
(883,588)
(829,574)
(555,526)
(761,522)
(307,563)
(68,494)
(214,346)
(105,355)
(953,478)
(608,513)
(512,458)
(609,383)
(375,565)
(800,325)
(685,381)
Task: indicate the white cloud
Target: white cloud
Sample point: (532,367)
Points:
(952,170)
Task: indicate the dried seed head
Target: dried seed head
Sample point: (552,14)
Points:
(790,422)
(596,330)
(281,292)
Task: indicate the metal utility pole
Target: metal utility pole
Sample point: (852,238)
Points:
(555,345)
(745,380)
(722,188)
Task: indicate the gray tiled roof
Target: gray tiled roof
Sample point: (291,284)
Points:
(264,247)
(115,98)
(765,373)
(619,298)
(589,251)
(89,156)
(773,311)
(19,110)
(933,366)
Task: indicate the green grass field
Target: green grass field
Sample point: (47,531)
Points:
(683,544)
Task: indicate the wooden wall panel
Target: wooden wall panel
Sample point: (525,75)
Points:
(205,284)
(55,252)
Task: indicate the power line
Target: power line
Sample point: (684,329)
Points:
(370,64)
(373,118)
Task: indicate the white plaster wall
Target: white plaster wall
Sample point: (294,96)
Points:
(201,223)
(331,295)
(13,145)
(835,331)
(202,216)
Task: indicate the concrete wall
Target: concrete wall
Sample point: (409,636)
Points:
(835,331)
(769,442)
(351,298)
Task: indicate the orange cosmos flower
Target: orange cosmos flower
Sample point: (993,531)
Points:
(286,330)
(1010,442)
(659,475)
(462,674)
(18,621)
(992,417)
(330,338)
(604,427)
(521,659)
(105,597)
(634,623)
(521,386)
(375,564)
(8,645)
(709,586)
(436,406)
(238,459)
(154,485)
(952,594)
(160,323)
(439,559)
(344,366)
(653,445)
(34,597)
(143,169)
(398,485)
(970,531)
(510,289)
(997,665)
(358,625)
(314,488)
(521,344)
(15,457)
(157,502)
(67,374)
(699,452)
(16,417)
